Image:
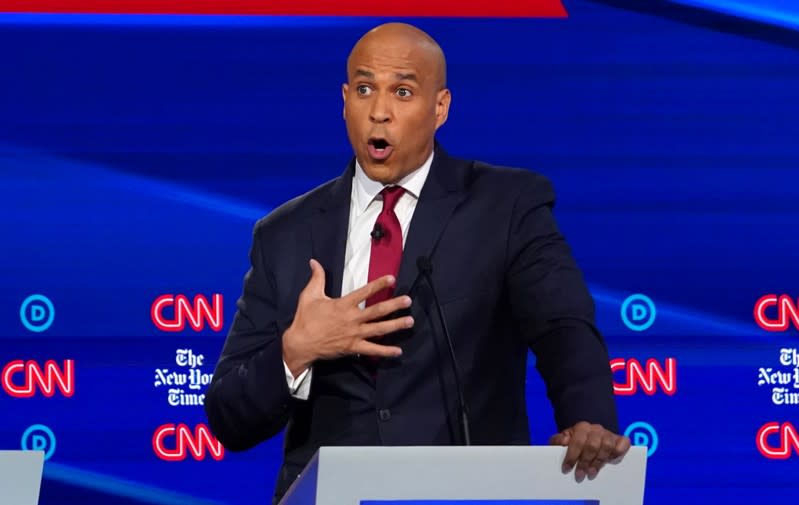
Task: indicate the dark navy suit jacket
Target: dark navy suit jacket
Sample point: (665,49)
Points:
(507,283)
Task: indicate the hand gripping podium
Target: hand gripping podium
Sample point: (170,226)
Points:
(20,477)
(477,475)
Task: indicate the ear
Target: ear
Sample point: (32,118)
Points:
(443,99)
(344,89)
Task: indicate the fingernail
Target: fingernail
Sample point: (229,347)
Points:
(391,279)
(408,322)
(592,473)
(579,474)
(407,301)
(565,468)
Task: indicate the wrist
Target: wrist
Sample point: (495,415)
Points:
(296,360)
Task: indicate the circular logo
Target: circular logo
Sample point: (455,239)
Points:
(638,312)
(37,313)
(39,438)
(643,434)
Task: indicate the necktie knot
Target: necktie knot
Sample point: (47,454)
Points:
(391,196)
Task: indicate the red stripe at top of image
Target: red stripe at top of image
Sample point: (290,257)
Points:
(421,8)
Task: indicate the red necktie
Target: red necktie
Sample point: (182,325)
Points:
(386,253)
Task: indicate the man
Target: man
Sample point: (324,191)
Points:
(357,354)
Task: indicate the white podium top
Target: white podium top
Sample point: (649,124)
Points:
(20,477)
(350,475)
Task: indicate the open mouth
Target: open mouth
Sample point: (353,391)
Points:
(379,148)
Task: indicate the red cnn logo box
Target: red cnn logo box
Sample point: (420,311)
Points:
(778,441)
(21,379)
(777,313)
(196,313)
(645,377)
(175,442)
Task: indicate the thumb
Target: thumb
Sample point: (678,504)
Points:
(561,438)
(316,285)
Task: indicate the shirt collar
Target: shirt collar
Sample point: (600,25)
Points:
(366,189)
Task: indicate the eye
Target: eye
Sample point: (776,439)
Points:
(404,93)
(364,90)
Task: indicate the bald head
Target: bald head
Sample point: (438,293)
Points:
(406,40)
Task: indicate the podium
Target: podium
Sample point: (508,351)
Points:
(477,475)
(20,477)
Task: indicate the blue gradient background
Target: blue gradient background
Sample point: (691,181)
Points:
(138,151)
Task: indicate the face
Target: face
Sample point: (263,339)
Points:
(393,105)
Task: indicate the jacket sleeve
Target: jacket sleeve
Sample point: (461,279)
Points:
(555,312)
(248,400)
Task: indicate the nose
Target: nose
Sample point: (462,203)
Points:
(381,109)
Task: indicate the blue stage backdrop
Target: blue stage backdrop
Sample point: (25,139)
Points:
(137,151)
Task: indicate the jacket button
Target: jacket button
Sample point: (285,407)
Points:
(384,414)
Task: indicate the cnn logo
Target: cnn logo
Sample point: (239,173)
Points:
(172,312)
(648,377)
(777,441)
(785,315)
(175,442)
(21,379)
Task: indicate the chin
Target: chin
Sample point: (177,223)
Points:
(379,172)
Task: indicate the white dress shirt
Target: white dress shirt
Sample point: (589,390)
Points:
(365,206)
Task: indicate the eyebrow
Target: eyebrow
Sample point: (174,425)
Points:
(407,77)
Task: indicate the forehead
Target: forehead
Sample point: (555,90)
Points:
(392,57)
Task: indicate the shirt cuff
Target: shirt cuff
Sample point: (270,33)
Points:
(299,387)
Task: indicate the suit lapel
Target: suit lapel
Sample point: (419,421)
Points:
(329,231)
(442,192)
